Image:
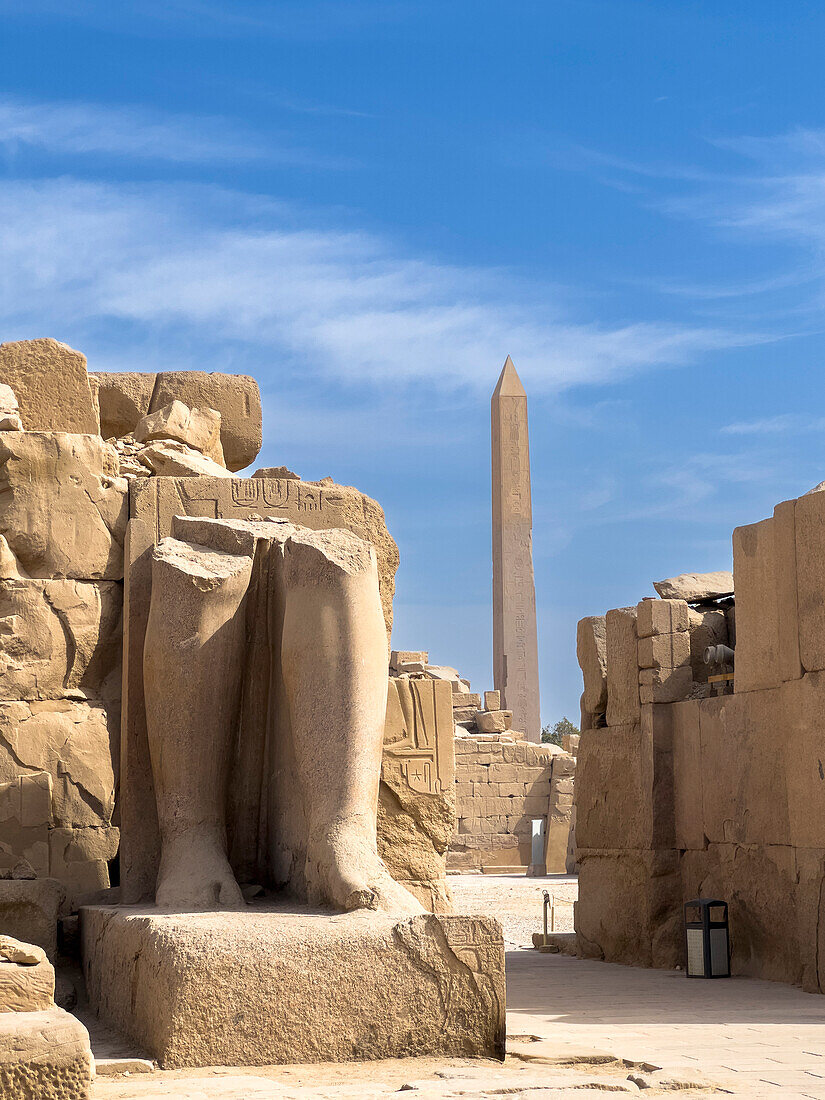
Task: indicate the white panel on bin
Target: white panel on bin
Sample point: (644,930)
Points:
(695,952)
(719,952)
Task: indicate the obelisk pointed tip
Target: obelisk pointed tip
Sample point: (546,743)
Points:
(509,383)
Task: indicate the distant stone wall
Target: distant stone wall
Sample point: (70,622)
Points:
(501,786)
(682,793)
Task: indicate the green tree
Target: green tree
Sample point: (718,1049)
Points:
(552,735)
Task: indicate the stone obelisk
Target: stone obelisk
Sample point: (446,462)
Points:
(515,641)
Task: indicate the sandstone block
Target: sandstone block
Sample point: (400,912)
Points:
(787,590)
(44,1055)
(9,410)
(28,911)
(63,509)
(26,977)
(408,656)
(694,587)
(73,743)
(492,700)
(58,637)
(661,617)
(465,714)
(494,721)
(757,616)
(810,562)
(270,1003)
(591,651)
(123,398)
(25,817)
(665,685)
(664,650)
(78,859)
(614,779)
(50,382)
(622,666)
(197,428)
(687,777)
(169,458)
(466,699)
(235,396)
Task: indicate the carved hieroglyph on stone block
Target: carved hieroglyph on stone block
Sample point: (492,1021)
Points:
(292,986)
(154,504)
(63,507)
(515,641)
(416,815)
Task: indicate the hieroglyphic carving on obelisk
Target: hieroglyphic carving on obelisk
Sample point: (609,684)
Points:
(515,642)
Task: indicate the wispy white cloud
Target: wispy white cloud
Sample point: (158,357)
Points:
(62,129)
(194,268)
(776,425)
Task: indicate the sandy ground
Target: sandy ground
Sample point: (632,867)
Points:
(516,901)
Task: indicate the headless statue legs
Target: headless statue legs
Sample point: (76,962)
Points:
(334,660)
(192,676)
(332,654)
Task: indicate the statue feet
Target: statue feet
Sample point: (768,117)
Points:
(344,870)
(195,873)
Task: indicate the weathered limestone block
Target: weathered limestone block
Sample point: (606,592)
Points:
(757,618)
(494,721)
(417,799)
(44,1055)
(629,907)
(787,591)
(665,650)
(58,637)
(799,758)
(63,508)
(695,587)
(197,428)
(123,398)
(749,805)
(809,516)
(467,699)
(399,657)
(245,988)
(707,627)
(73,742)
(687,777)
(661,617)
(235,396)
(28,911)
(26,977)
(9,410)
(78,859)
(492,700)
(557,842)
(25,817)
(169,458)
(665,685)
(50,382)
(591,650)
(622,666)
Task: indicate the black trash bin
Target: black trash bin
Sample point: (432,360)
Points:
(707,938)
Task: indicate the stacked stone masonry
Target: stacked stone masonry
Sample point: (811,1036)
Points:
(502,786)
(713,787)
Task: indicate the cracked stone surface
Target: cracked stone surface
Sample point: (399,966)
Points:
(73,743)
(58,637)
(63,507)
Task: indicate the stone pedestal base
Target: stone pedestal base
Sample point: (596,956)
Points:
(44,1055)
(290,985)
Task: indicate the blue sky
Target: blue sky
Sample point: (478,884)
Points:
(368,204)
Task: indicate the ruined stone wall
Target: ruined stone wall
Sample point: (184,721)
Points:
(715,796)
(501,785)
